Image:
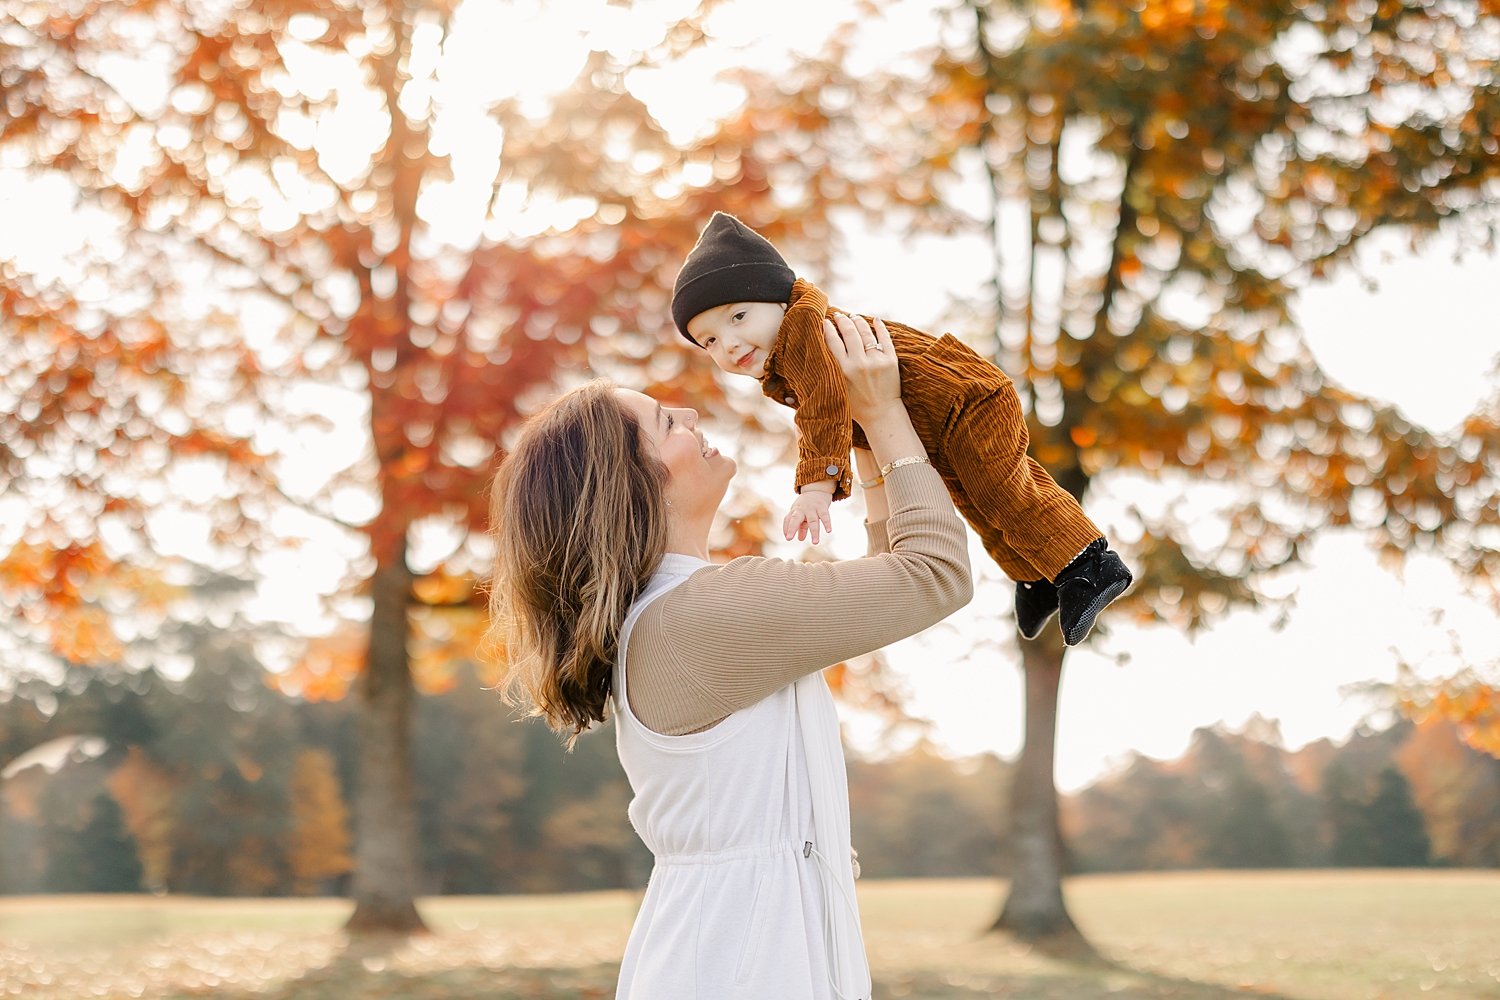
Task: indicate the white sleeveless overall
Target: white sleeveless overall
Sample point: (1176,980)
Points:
(752,892)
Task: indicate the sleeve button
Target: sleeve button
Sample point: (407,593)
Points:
(790,400)
(832,470)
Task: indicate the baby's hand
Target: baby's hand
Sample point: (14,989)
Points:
(809,513)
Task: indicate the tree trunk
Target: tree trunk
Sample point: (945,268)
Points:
(385,844)
(1034,909)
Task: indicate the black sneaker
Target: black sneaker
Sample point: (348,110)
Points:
(1086,587)
(1036,602)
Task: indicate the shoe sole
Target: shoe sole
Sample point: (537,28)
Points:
(1039,628)
(1086,623)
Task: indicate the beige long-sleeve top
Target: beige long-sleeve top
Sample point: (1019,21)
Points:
(732,634)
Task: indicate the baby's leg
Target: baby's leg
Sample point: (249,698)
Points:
(1036,597)
(1035,522)
(1008,559)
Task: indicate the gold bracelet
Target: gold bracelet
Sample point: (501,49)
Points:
(885,470)
(871,484)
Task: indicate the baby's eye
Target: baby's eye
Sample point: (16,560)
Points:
(710,342)
(739,315)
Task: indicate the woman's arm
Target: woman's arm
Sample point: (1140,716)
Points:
(744,630)
(739,632)
(877,508)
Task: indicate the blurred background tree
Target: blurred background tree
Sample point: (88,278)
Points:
(1469,698)
(1163,178)
(273,192)
(94,856)
(320,830)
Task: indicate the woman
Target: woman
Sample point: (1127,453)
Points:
(726,729)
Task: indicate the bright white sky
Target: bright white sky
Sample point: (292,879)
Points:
(1424,339)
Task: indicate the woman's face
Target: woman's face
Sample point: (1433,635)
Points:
(699,475)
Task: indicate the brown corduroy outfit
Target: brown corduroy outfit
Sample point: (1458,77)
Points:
(969,418)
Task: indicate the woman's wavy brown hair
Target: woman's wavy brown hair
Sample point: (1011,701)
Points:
(579,519)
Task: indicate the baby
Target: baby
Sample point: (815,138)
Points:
(738,300)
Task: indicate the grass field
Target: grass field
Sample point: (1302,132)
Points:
(1194,935)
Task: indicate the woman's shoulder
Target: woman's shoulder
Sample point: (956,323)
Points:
(718,574)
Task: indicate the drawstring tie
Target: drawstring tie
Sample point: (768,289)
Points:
(830,924)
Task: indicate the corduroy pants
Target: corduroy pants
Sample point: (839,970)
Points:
(969,417)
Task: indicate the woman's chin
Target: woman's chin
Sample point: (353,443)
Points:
(721,469)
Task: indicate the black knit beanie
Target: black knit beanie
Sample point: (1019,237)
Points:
(730,263)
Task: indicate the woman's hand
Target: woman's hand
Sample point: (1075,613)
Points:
(868,361)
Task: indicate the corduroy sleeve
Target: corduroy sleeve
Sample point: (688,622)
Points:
(808,369)
(730,635)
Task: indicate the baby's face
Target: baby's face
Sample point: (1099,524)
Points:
(738,335)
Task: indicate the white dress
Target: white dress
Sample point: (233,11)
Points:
(743,819)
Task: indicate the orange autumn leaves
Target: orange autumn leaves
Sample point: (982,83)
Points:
(1471,705)
(440,641)
(1157,17)
(65,595)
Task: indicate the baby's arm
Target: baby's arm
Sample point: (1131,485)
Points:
(809,512)
(811,373)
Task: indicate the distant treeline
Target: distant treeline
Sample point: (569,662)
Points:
(1403,796)
(220,785)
